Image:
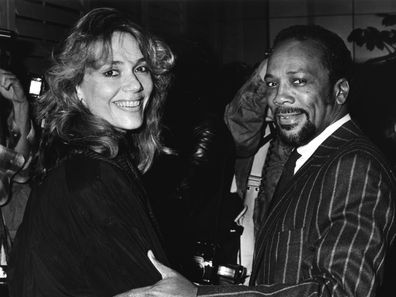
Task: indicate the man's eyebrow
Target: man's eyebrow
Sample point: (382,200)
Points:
(296,71)
(291,72)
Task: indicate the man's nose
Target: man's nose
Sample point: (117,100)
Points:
(283,96)
(132,83)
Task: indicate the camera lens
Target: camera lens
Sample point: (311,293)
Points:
(234,273)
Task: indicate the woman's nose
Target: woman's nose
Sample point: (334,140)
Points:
(132,83)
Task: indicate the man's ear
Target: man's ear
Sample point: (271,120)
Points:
(341,91)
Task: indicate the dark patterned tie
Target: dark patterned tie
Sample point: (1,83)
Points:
(288,172)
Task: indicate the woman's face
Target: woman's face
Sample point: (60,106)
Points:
(118,91)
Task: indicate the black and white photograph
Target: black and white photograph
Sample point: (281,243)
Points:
(182,148)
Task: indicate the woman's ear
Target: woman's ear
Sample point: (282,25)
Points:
(80,94)
(341,90)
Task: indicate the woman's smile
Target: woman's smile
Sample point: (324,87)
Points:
(129,105)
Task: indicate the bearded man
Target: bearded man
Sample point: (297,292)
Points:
(331,219)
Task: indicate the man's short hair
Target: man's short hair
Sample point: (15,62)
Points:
(336,56)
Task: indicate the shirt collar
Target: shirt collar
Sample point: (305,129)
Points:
(307,150)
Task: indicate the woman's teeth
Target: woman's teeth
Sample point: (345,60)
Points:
(128,104)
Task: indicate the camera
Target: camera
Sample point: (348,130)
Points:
(36,86)
(208,271)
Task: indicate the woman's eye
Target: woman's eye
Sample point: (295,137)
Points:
(111,73)
(142,68)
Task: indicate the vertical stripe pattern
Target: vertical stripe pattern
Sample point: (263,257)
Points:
(328,232)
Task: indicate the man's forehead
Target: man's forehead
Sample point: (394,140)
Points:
(303,49)
(296,56)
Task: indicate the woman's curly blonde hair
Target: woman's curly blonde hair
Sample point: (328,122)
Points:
(67,120)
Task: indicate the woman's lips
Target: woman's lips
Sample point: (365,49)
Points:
(129,104)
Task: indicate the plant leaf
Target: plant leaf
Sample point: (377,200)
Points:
(357,36)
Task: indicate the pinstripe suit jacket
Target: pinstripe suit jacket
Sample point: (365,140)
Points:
(328,233)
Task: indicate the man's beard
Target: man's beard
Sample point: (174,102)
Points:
(302,137)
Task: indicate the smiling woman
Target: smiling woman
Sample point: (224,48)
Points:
(88,224)
(118,91)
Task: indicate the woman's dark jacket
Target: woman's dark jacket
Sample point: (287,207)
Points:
(86,231)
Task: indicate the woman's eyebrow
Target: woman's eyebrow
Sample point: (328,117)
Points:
(116,62)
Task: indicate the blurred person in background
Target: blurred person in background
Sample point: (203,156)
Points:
(16,153)
(17,135)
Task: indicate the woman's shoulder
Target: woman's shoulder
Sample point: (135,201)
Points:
(88,167)
(81,170)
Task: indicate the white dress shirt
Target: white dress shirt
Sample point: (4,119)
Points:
(307,150)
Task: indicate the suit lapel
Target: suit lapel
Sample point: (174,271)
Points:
(332,144)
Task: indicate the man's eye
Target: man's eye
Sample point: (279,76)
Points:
(299,81)
(111,73)
(271,84)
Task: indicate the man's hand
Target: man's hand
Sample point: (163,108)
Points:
(11,88)
(172,284)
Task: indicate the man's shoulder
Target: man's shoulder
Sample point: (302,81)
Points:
(348,137)
(357,141)
(361,151)
(349,142)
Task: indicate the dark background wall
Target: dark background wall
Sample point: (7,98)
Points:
(233,30)
(216,41)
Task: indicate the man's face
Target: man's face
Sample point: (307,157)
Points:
(300,94)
